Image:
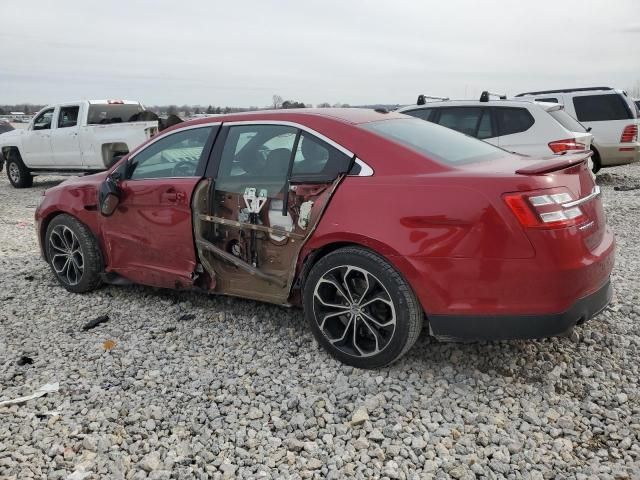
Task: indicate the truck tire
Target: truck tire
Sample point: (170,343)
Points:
(595,159)
(17,172)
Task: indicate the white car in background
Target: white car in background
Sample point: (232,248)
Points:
(74,138)
(524,127)
(611,116)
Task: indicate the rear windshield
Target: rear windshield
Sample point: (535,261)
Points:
(596,108)
(567,121)
(434,141)
(101,114)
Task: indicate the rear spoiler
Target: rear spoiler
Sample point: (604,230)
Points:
(555,163)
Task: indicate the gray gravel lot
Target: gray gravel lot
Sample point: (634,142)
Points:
(212,387)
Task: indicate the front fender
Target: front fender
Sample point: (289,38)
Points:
(80,202)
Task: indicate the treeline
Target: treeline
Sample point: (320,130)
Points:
(277,103)
(26,108)
(187,110)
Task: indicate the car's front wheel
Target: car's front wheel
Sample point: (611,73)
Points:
(17,172)
(360,308)
(73,254)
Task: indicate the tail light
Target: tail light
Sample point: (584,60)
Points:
(629,134)
(560,146)
(545,209)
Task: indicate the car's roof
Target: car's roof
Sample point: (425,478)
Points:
(478,103)
(573,92)
(344,115)
(96,102)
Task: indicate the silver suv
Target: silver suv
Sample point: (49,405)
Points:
(609,113)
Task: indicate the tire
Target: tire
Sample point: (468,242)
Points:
(597,163)
(17,172)
(80,271)
(361,275)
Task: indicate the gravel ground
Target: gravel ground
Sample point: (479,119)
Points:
(191,386)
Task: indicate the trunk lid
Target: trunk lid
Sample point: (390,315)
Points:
(559,174)
(555,163)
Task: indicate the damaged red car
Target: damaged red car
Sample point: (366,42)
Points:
(375,223)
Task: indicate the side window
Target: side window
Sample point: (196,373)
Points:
(462,119)
(43,121)
(513,120)
(423,113)
(317,159)
(256,156)
(68,117)
(549,99)
(596,108)
(485,128)
(176,155)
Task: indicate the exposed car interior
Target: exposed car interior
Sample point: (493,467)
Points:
(272,184)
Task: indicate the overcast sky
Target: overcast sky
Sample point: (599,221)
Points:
(240,53)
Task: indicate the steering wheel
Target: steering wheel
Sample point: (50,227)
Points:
(183,169)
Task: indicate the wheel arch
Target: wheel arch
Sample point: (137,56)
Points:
(7,149)
(112,152)
(312,254)
(46,220)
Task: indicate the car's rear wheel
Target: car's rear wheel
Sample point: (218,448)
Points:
(595,159)
(73,254)
(17,171)
(360,309)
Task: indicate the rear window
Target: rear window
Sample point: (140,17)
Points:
(439,143)
(423,113)
(567,121)
(513,120)
(597,108)
(547,99)
(462,119)
(102,114)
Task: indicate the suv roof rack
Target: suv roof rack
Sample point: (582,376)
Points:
(565,90)
(484,97)
(422,99)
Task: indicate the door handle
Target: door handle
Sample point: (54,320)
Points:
(172,196)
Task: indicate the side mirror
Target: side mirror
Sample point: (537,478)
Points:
(109,194)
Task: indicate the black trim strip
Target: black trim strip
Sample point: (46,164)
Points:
(511,327)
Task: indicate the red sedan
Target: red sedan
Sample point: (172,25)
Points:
(374,222)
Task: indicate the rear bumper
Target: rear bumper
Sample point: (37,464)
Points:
(509,327)
(610,155)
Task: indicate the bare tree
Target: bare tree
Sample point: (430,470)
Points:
(634,92)
(277,101)
(324,105)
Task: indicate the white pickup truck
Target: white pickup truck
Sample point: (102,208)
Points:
(74,138)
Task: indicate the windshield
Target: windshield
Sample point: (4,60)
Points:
(567,121)
(101,114)
(434,141)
